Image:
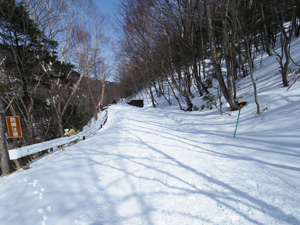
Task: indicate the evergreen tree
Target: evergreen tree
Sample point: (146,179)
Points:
(27,51)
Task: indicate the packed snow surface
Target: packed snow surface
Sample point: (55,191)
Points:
(153,166)
(164,166)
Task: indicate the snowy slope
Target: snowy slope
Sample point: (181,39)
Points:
(163,166)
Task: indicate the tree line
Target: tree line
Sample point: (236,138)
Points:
(53,69)
(168,46)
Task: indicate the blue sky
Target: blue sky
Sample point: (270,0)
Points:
(107,7)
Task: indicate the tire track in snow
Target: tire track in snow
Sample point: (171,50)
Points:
(245,197)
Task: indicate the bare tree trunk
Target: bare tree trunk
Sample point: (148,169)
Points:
(197,78)
(3,148)
(267,43)
(285,43)
(226,51)
(171,86)
(202,53)
(101,102)
(204,86)
(60,122)
(287,61)
(90,92)
(57,106)
(233,56)
(229,99)
(172,65)
(248,50)
(151,95)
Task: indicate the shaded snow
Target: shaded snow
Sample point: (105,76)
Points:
(164,166)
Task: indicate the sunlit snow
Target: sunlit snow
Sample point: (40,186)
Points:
(164,166)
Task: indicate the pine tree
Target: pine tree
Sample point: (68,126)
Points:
(27,50)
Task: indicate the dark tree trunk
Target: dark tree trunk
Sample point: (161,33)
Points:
(3,148)
(197,79)
(286,37)
(152,96)
(287,61)
(229,99)
(248,50)
(266,42)
(227,52)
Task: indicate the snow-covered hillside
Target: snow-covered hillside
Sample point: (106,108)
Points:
(163,166)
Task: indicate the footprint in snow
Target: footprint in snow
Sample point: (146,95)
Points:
(41,194)
(44,219)
(42,212)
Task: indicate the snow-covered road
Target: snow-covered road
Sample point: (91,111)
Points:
(152,166)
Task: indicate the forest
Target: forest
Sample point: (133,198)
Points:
(53,69)
(170,46)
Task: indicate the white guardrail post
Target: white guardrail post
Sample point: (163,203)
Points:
(31,149)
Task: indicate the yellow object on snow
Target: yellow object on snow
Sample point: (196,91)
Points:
(69,132)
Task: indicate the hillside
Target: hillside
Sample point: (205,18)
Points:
(165,166)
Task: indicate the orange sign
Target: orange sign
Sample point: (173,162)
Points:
(14,126)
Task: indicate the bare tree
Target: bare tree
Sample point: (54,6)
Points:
(3,148)
(216,63)
(167,42)
(99,67)
(80,30)
(26,47)
(265,30)
(285,39)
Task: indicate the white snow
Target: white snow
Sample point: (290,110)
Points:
(167,167)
